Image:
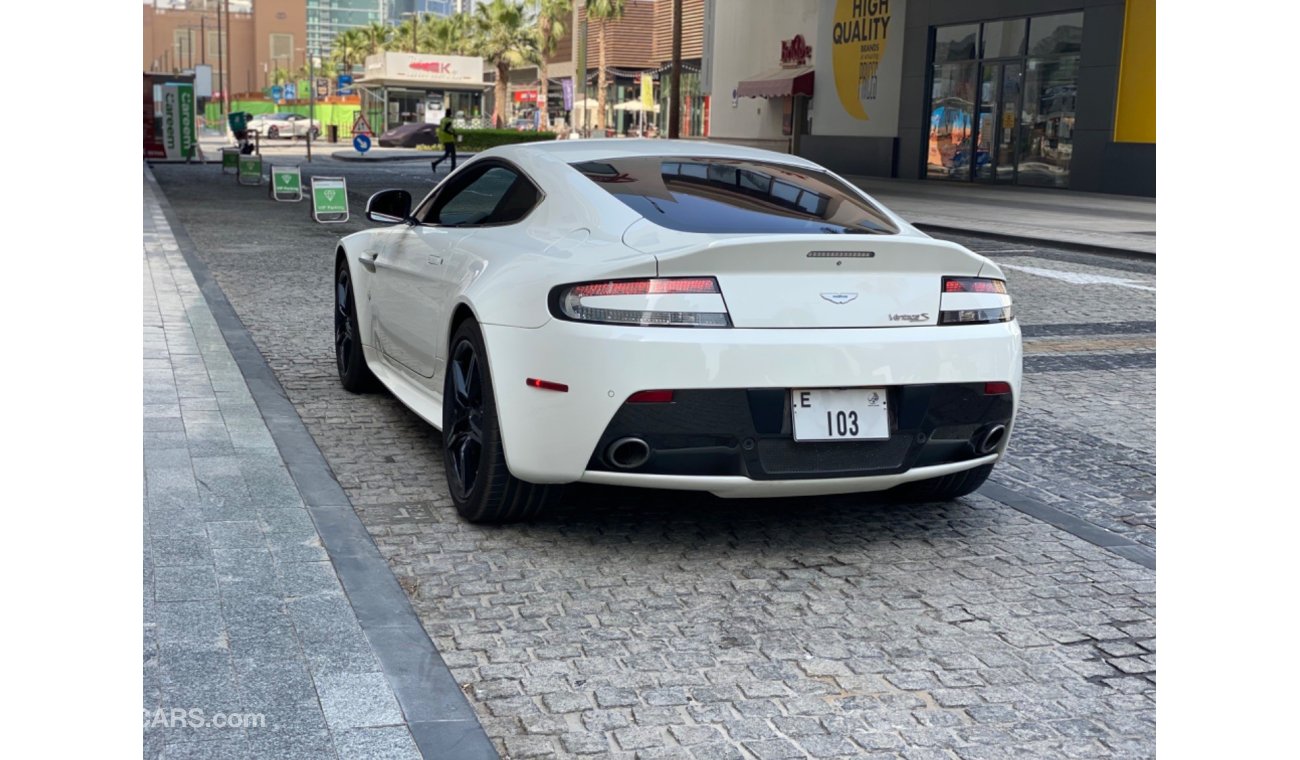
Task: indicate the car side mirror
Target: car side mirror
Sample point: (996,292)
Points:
(389,207)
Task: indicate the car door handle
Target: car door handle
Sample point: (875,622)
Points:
(367,259)
(435,260)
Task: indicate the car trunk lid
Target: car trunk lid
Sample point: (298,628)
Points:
(816,281)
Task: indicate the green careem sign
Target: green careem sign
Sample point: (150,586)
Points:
(186,98)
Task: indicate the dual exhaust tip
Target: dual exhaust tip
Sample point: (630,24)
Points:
(628,453)
(987,441)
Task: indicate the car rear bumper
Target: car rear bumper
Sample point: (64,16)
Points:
(730,487)
(556,437)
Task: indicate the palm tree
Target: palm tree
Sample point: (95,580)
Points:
(506,38)
(348,47)
(406,36)
(551,15)
(377,35)
(451,35)
(603,11)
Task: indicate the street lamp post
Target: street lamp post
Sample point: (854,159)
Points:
(312,63)
(311,102)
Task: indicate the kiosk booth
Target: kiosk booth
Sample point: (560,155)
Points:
(410,88)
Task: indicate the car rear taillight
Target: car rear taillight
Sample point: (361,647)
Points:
(974,301)
(655,302)
(973,285)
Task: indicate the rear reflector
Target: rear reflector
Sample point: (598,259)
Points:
(996,388)
(651,397)
(546,385)
(975,316)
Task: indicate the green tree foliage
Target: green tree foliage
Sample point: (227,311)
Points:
(451,35)
(378,35)
(551,18)
(602,12)
(506,38)
(348,50)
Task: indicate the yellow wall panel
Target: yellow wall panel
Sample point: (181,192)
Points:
(1135,111)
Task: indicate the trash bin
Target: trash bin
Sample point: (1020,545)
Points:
(333,132)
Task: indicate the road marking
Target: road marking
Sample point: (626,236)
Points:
(1066,345)
(1079,278)
(1076,526)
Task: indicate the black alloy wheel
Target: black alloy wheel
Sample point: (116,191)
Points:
(464,436)
(480,483)
(272,132)
(354,373)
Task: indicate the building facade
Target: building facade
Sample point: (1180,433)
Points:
(244,48)
(400,9)
(327,18)
(1033,93)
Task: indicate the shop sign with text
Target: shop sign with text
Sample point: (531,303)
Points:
(795,52)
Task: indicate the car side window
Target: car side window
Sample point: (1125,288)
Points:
(492,195)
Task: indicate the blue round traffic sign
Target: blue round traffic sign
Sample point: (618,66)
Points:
(361,143)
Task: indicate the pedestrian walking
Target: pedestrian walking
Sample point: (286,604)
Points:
(447,135)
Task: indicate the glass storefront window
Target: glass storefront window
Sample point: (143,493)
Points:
(464,105)
(955,43)
(1047,129)
(1008,115)
(1055,35)
(952,114)
(1004,39)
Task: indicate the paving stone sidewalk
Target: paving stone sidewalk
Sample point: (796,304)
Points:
(245,620)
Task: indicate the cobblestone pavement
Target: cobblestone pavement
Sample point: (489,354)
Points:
(1085,436)
(643,624)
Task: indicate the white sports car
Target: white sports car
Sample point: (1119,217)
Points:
(676,315)
(273,125)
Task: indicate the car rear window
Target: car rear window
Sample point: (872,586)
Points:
(719,195)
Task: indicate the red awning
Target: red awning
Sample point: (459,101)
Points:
(779,83)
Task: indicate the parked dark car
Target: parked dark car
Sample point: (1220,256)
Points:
(409,136)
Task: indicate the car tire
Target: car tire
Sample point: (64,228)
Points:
(480,484)
(354,373)
(272,133)
(946,487)
(315,133)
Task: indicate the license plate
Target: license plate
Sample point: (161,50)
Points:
(846,414)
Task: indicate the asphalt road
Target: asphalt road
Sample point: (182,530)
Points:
(1015,622)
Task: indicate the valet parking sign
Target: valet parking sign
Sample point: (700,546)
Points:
(329,199)
(286,183)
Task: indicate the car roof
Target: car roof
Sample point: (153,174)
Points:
(576,151)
